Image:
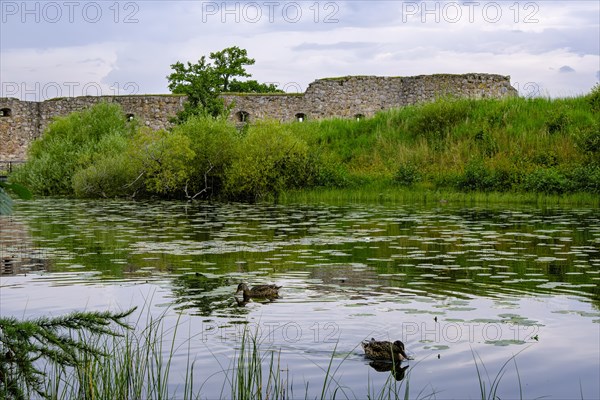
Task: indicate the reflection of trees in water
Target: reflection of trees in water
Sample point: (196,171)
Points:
(358,250)
(206,295)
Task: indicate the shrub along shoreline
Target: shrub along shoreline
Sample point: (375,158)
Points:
(515,147)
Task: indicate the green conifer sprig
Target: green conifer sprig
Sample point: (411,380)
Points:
(28,346)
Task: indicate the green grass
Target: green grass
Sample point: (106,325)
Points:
(488,387)
(390,194)
(510,145)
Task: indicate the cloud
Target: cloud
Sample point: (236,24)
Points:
(565,69)
(334,46)
(294,44)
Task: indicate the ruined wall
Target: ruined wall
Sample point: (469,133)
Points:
(350,96)
(344,97)
(19,126)
(153,111)
(281,107)
(27,120)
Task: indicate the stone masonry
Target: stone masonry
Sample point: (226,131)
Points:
(347,97)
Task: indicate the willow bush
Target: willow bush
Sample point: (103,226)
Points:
(269,159)
(214,142)
(72,143)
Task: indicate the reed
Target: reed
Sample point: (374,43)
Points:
(139,367)
(488,387)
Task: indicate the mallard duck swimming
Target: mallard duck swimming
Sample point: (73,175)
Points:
(383,350)
(260,291)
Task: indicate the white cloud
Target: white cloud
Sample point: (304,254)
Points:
(37,74)
(530,41)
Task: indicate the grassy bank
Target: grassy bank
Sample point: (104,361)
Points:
(531,149)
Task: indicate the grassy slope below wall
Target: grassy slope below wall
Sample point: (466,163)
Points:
(512,145)
(517,146)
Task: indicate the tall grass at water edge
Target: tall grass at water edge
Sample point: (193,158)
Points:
(138,366)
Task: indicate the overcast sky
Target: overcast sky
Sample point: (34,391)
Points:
(73,48)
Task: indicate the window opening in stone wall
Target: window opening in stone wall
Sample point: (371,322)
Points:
(242,116)
(300,117)
(358,117)
(5,112)
(130,117)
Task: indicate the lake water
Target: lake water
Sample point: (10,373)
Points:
(453,283)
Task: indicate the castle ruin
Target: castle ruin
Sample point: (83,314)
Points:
(21,122)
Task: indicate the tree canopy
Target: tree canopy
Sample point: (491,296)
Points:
(204,81)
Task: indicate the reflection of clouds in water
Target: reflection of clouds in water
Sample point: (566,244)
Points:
(490,277)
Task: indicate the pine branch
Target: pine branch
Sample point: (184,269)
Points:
(24,344)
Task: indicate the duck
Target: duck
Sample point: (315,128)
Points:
(384,350)
(260,291)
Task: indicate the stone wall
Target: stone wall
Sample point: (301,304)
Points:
(352,96)
(153,111)
(23,121)
(345,97)
(19,126)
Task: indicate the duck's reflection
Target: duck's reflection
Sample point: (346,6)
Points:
(397,370)
(242,302)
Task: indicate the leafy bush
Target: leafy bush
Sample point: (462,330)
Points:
(593,98)
(215,144)
(71,143)
(163,158)
(546,180)
(475,177)
(585,178)
(588,139)
(109,176)
(109,172)
(269,160)
(557,122)
(469,145)
(407,174)
(545,158)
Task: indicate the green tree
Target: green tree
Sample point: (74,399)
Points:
(229,63)
(252,86)
(204,81)
(163,158)
(72,143)
(200,83)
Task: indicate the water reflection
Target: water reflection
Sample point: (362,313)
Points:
(443,279)
(359,251)
(397,371)
(13,265)
(18,255)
